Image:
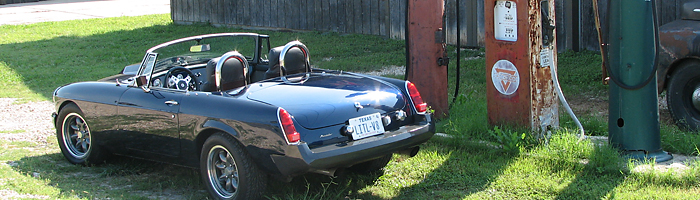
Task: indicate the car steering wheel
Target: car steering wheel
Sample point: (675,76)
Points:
(182,79)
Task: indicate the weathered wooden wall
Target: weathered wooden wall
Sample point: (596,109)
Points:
(4,2)
(575,22)
(375,17)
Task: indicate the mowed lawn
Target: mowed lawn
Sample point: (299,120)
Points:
(476,161)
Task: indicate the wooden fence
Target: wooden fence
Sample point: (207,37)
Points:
(575,22)
(4,2)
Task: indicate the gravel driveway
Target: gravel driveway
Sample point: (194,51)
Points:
(27,121)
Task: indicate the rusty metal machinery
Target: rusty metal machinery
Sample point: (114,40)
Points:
(519,53)
(426,58)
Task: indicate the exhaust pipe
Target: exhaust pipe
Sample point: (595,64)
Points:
(328,172)
(410,151)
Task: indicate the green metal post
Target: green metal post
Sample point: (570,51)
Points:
(633,122)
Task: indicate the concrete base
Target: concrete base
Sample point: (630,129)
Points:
(658,156)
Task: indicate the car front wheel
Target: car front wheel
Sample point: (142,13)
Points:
(74,137)
(683,96)
(228,171)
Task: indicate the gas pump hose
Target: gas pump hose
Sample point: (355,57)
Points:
(557,89)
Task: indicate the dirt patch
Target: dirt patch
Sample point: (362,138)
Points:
(25,122)
(597,106)
(9,194)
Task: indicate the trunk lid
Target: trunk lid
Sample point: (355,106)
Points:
(327,99)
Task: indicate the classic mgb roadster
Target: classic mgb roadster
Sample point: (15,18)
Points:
(241,112)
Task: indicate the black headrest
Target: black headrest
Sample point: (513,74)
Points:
(210,83)
(233,72)
(274,55)
(295,61)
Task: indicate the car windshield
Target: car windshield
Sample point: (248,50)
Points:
(200,51)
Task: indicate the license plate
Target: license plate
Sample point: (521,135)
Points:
(366,126)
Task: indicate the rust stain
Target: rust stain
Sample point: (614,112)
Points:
(535,103)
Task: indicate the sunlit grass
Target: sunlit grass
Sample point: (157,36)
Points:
(37,58)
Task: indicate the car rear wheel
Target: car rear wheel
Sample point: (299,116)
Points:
(74,137)
(228,171)
(683,96)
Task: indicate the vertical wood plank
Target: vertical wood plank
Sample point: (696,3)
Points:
(204,8)
(469,26)
(265,12)
(393,19)
(309,9)
(230,12)
(328,18)
(174,10)
(214,16)
(318,14)
(373,16)
(357,7)
(254,12)
(275,14)
(303,15)
(340,11)
(188,11)
(384,17)
(367,16)
(451,21)
(349,16)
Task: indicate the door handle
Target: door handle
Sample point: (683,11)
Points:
(172,103)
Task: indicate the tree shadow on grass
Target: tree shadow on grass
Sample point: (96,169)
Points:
(470,168)
(444,169)
(598,178)
(42,65)
(120,178)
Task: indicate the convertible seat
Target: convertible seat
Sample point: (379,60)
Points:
(226,72)
(292,58)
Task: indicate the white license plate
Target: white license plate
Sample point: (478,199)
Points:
(366,126)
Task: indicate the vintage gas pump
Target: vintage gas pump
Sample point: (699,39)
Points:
(520,51)
(425,52)
(633,122)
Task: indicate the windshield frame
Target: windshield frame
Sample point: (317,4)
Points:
(148,65)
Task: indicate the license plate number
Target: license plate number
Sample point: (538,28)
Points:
(366,126)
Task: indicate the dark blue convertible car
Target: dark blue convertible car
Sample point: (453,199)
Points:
(241,112)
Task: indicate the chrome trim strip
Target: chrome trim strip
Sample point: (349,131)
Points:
(200,37)
(287,47)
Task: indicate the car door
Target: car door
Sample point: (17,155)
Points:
(149,122)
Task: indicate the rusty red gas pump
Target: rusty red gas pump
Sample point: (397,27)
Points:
(425,52)
(520,50)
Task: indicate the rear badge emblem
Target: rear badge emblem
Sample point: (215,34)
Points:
(358,105)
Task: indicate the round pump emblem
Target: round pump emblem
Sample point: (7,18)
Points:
(505,77)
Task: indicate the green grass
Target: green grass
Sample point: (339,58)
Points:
(480,162)
(37,58)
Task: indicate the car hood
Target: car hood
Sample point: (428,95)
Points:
(326,100)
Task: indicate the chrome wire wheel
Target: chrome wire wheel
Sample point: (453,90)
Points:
(76,135)
(223,172)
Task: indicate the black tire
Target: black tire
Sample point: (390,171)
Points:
(228,171)
(683,96)
(372,165)
(75,139)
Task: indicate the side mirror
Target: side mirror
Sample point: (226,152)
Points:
(142,82)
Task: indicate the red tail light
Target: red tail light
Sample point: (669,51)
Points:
(421,106)
(290,132)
